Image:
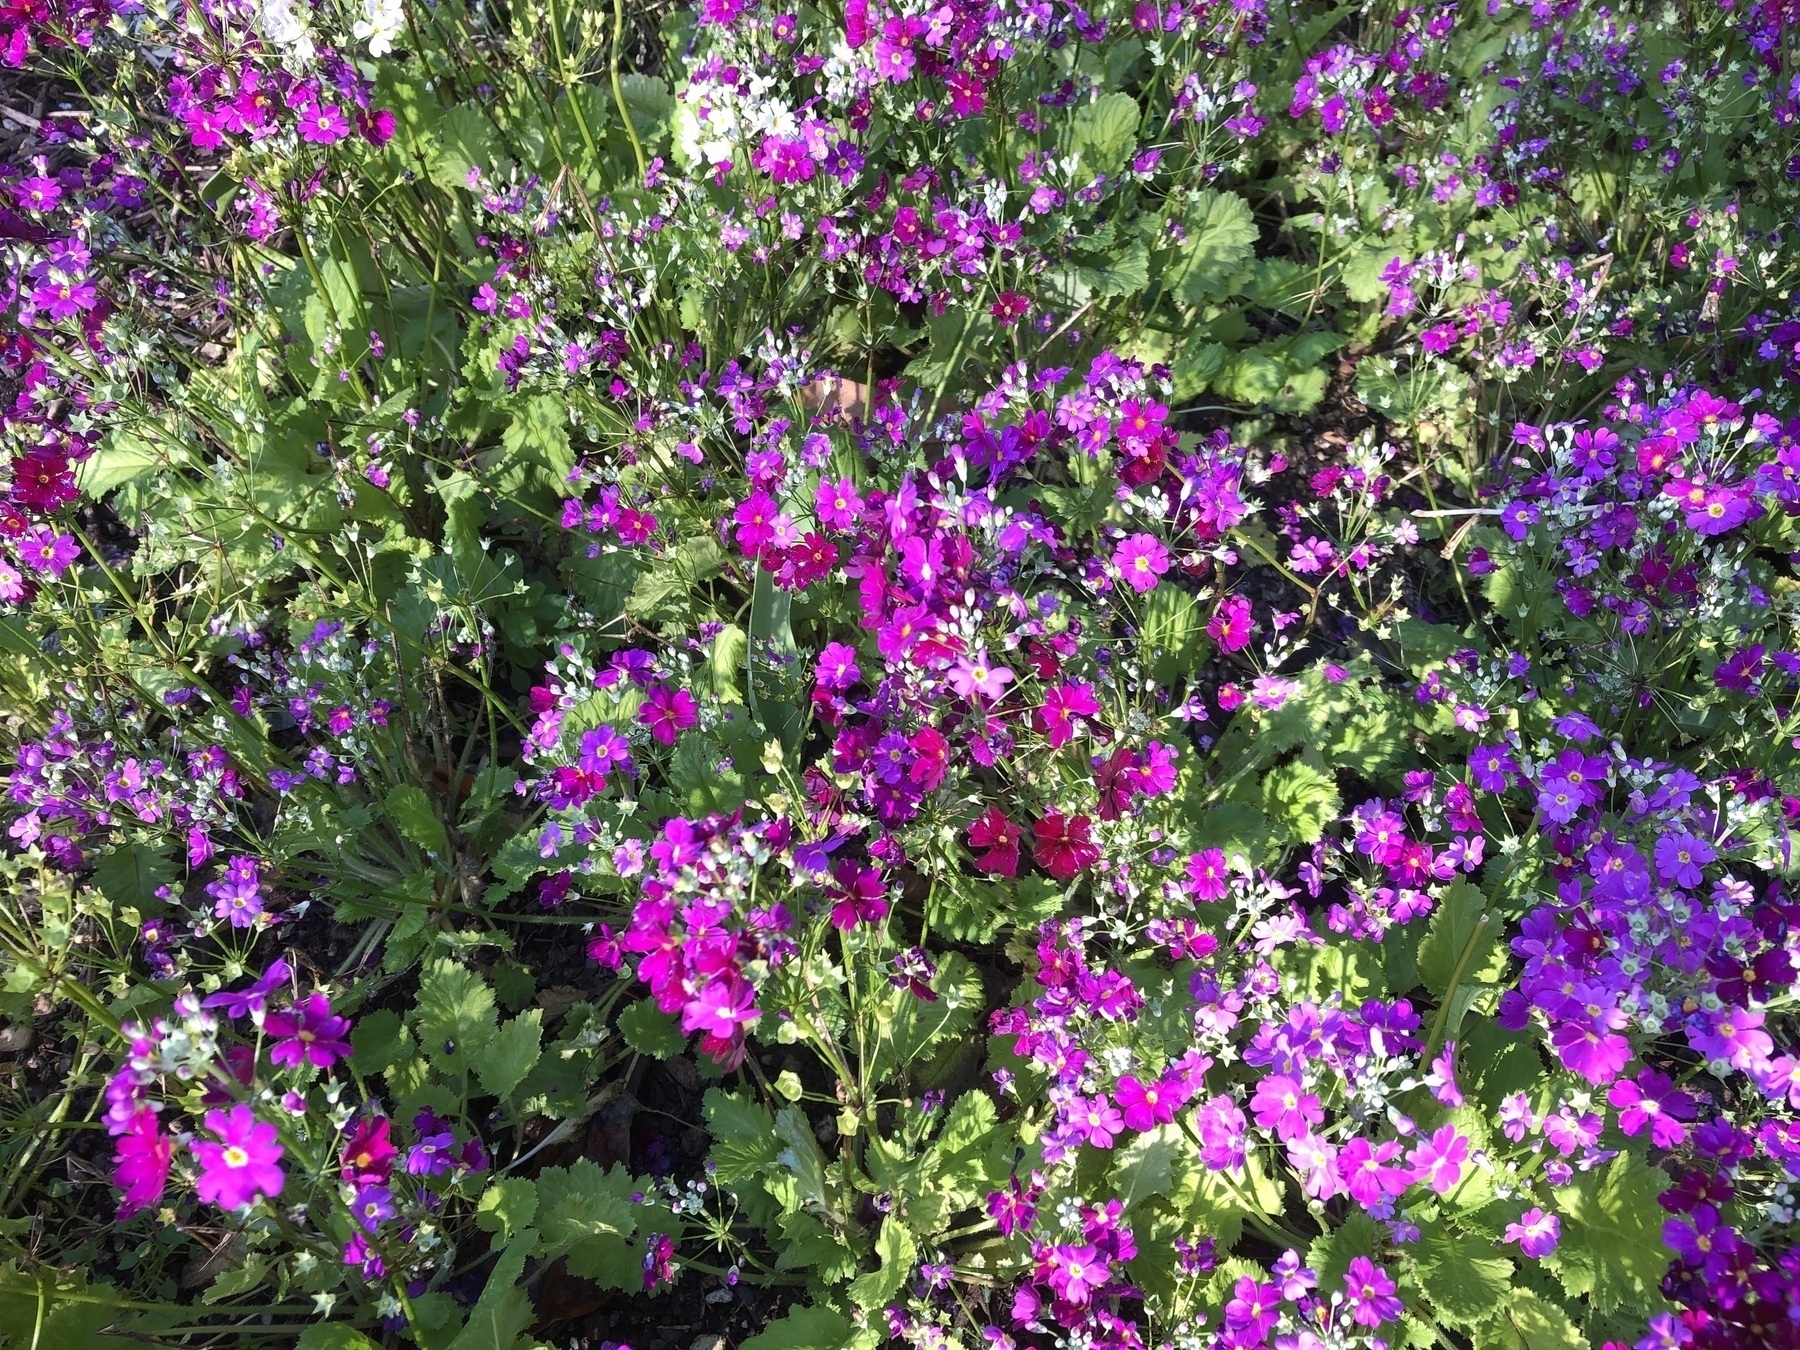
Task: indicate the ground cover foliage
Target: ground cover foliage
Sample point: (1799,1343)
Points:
(967,674)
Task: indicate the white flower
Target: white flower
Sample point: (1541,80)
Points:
(382,22)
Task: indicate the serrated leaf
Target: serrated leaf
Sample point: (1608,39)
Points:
(1459,936)
(334,1338)
(1146,1166)
(798,1151)
(1302,799)
(804,1328)
(504,1308)
(743,1131)
(410,810)
(455,1011)
(1330,1256)
(1461,1276)
(378,1042)
(1104,132)
(895,1246)
(1613,1217)
(502,1061)
(1221,239)
(726,665)
(1525,1321)
(582,1201)
(649,1030)
(507,1206)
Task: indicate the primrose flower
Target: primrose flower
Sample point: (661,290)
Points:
(243,1165)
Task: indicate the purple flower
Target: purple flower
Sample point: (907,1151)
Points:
(1536,1232)
(308,1033)
(44,550)
(1369,1294)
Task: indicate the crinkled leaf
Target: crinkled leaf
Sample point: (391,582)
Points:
(502,1061)
(649,1030)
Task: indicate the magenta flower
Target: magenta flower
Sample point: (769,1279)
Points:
(1536,1232)
(1142,560)
(1097,1118)
(244,1165)
(1076,1272)
(322,124)
(1283,1104)
(668,712)
(972,675)
(141,1162)
(44,550)
(1653,1101)
(1206,874)
(308,1033)
(1146,1105)
(1438,1161)
(721,1007)
(1230,625)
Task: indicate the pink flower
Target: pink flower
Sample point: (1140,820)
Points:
(1438,1162)
(1062,705)
(1206,874)
(1230,625)
(720,1008)
(837,504)
(1076,1272)
(322,124)
(1097,1118)
(1536,1232)
(308,1033)
(244,1165)
(977,675)
(1146,1105)
(141,1162)
(1142,560)
(668,712)
(1283,1105)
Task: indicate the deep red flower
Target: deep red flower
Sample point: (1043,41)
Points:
(1061,845)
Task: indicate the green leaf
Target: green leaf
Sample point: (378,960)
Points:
(584,1202)
(541,434)
(1331,1255)
(743,1131)
(1146,1166)
(131,876)
(1613,1218)
(334,1338)
(800,1153)
(897,1251)
(726,665)
(502,1061)
(504,1308)
(410,810)
(455,1012)
(649,1030)
(1221,239)
(1104,133)
(814,1328)
(1460,926)
(1525,1321)
(507,1206)
(1302,799)
(379,1042)
(1461,1276)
